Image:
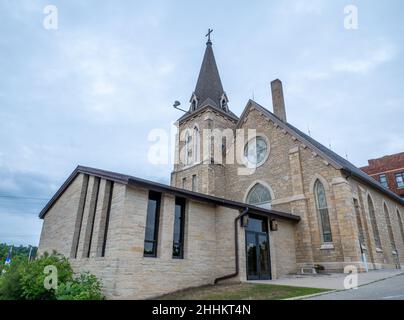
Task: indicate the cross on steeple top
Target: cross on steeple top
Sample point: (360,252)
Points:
(208,34)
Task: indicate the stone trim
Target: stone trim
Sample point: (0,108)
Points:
(297,197)
(338,180)
(327,246)
(294,149)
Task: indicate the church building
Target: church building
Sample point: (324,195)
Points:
(251,198)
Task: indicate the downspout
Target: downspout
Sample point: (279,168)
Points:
(242,214)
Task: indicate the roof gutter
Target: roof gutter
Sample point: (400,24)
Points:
(234,274)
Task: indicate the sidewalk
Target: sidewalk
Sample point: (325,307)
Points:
(333,281)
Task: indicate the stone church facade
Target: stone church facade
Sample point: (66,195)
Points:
(251,197)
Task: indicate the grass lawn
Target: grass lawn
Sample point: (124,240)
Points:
(241,291)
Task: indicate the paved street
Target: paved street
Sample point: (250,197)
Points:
(388,289)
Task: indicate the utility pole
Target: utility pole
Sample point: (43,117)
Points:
(29,254)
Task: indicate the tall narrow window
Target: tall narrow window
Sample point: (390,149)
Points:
(179,223)
(373,222)
(259,196)
(196,145)
(194,183)
(400,222)
(80,214)
(91,218)
(359,222)
(186,159)
(389,228)
(152,225)
(107,218)
(184,183)
(187,149)
(322,209)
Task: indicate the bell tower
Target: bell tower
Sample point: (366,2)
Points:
(196,167)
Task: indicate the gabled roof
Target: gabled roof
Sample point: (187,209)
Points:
(334,159)
(206,105)
(138,182)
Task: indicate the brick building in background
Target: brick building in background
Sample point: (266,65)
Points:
(389,171)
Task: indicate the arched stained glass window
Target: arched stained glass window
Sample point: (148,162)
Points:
(259,196)
(389,228)
(322,209)
(373,222)
(187,148)
(400,222)
(197,146)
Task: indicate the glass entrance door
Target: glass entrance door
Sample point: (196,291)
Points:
(263,258)
(257,249)
(252,256)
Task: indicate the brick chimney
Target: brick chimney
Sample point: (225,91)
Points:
(278,101)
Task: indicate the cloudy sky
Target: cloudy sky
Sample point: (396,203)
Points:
(90,92)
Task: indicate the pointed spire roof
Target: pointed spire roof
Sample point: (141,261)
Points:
(209,90)
(209,85)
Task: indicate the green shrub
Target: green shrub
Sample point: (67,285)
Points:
(83,287)
(23,280)
(33,277)
(10,281)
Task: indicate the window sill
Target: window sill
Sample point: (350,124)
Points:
(327,246)
(379,250)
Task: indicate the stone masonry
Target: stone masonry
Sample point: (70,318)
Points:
(124,271)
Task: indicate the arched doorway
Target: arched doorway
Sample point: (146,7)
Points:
(257,236)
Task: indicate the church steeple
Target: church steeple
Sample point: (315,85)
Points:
(209,89)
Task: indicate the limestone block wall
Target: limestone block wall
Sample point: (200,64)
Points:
(274,172)
(209,248)
(282,246)
(78,220)
(59,225)
(380,258)
(210,177)
(289,173)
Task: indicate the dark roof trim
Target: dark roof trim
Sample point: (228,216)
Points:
(138,182)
